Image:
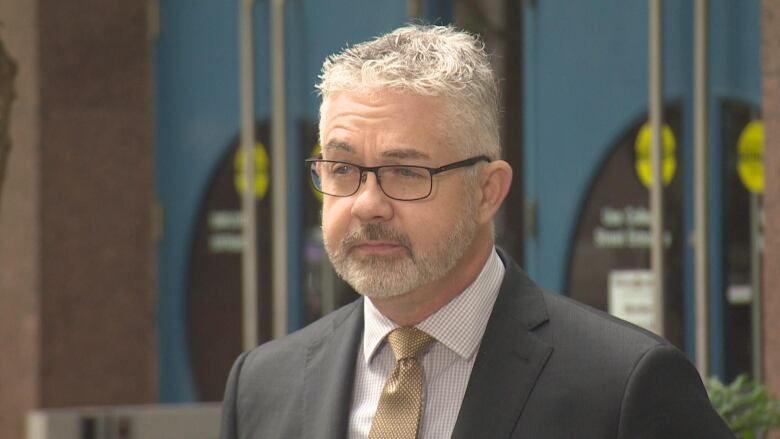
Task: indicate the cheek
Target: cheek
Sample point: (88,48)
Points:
(435,224)
(335,221)
(425,227)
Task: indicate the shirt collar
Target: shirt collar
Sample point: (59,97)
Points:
(458,325)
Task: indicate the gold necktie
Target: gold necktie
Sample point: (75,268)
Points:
(400,406)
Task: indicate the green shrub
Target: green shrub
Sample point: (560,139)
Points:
(745,405)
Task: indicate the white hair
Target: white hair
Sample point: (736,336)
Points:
(426,60)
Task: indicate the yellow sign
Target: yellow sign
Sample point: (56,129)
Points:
(314,153)
(750,162)
(261,171)
(642,147)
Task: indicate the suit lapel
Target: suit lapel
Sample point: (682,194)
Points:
(329,376)
(509,361)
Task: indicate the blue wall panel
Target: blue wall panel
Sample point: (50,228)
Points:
(735,74)
(197,115)
(586,80)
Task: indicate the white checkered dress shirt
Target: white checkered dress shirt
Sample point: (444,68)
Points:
(458,328)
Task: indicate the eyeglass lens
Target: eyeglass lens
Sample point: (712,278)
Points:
(399,182)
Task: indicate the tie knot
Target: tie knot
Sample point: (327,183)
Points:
(408,342)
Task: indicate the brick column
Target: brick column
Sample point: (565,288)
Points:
(19,226)
(97,250)
(770,48)
(77,302)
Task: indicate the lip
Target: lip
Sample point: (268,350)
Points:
(376,247)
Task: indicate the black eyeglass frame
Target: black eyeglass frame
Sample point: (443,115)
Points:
(375,169)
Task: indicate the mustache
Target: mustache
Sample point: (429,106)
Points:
(375,232)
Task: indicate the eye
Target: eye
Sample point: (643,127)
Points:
(341,169)
(408,172)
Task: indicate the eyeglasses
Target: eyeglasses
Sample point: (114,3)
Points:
(399,182)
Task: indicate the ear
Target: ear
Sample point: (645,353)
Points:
(493,185)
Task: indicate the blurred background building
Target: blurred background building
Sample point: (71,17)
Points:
(121,228)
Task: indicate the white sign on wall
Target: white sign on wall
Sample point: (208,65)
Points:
(631,297)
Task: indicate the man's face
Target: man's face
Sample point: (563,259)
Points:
(380,246)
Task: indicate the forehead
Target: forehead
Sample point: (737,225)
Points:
(401,125)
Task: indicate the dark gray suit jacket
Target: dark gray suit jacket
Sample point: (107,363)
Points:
(548,367)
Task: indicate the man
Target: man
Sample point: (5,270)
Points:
(412,179)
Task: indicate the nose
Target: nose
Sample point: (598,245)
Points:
(371,204)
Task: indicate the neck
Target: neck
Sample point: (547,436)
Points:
(413,307)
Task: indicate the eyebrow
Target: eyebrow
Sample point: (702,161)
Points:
(396,153)
(405,153)
(338,146)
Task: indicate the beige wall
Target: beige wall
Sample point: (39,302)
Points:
(77,304)
(19,227)
(96,201)
(771,113)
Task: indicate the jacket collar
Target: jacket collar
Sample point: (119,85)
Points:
(329,376)
(509,360)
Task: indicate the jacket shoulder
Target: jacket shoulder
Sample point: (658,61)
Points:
(572,320)
(265,389)
(294,346)
(629,381)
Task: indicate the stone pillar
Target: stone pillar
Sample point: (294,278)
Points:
(770,50)
(97,249)
(19,226)
(77,303)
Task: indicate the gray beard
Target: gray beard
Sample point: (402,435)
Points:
(394,275)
